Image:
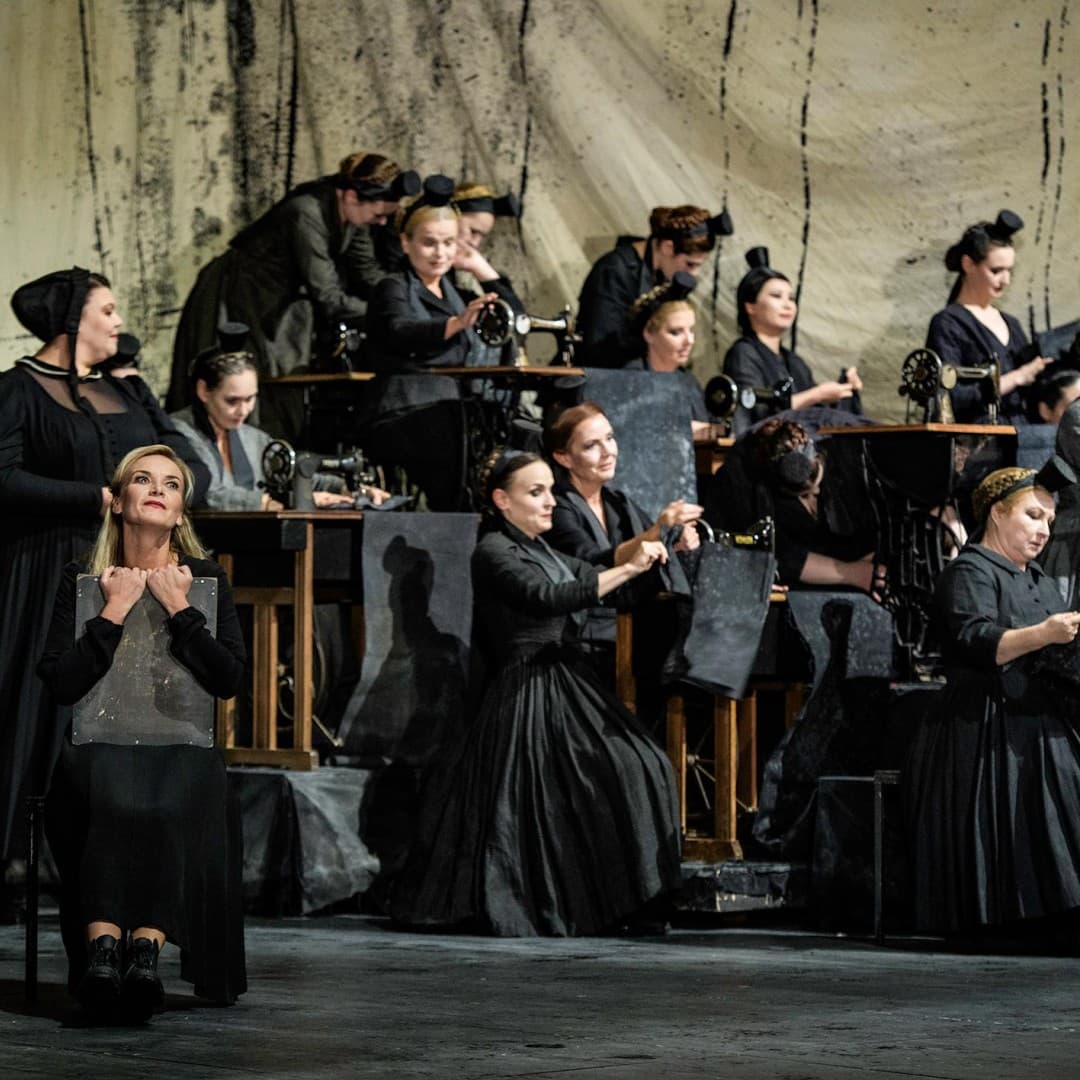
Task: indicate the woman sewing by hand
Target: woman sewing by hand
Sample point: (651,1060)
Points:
(226,388)
(146,837)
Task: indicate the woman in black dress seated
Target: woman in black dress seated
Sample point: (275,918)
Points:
(64,426)
(559,814)
(146,837)
(664,322)
(766,309)
(680,238)
(971,330)
(994,774)
(418,322)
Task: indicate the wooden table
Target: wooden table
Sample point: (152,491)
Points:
(238,537)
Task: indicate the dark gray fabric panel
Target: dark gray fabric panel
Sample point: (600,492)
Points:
(651,419)
(418,621)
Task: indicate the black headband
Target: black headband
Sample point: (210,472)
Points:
(403,185)
(438,191)
(501,206)
(718,225)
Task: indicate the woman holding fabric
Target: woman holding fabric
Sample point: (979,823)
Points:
(559,815)
(994,773)
(971,330)
(64,425)
(146,837)
(766,309)
(418,321)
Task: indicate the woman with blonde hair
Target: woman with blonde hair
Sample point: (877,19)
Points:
(418,321)
(994,773)
(145,834)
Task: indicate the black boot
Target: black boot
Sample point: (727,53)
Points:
(99,988)
(142,992)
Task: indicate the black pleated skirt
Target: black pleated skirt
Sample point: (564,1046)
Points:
(558,816)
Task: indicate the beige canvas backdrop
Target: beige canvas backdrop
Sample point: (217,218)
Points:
(854,139)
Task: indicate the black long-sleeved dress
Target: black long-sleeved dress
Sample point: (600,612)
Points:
(752,364)
(960,339)
(54,461)
(994,772)
(149,835)
(558,815)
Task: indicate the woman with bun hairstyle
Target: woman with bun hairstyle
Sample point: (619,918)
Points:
(993,775)
(558,815)
(304,266)
(766,309)
(418,321)
(971,329)
(680,237)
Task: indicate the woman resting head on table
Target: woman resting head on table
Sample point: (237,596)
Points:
(226,387)
(593,520)
(665,322)
(145,836)
(766,309)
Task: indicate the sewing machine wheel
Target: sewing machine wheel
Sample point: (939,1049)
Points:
(279,465)
(921,374)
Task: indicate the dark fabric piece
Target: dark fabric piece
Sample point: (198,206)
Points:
(302,849)
(871,638)
(54,461)
(993,780)
(295,269)
(615,281)
(731,589)
(1061,556)
(149,835)
(751,363)
(960,339)
(52,305)
(557,815)
(652,423)
(688,386)
(842,729)
(418,620)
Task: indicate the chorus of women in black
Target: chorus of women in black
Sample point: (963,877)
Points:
(305,266)
(417,322)
(765,308)
(64,426)
(971,330)
(146,837)
(994,772)
(680,238)
(558,815)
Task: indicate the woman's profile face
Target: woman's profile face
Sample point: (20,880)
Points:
(775,309)
(99,327)
(476,226)
(990,277)
(1020,530)
(592,452)
(669,262)
(361,212)
(670,346)
(432,247)
(230,403)
(527,500)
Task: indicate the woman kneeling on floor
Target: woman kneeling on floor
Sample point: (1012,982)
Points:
(146,837)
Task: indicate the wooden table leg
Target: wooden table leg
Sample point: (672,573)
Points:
(303,646)
(746,720)
(265,664)
(625,687)
(726,748)
(676,750)
(225,711)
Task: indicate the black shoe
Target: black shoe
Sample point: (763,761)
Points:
(99,988)
(142,992)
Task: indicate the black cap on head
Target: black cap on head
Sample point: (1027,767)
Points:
(501,206)
(232,336)
(721,224)
(52,305)
(678,288)
(757,257)
(1006,224)
(753,280)
(403,185)
(438,190)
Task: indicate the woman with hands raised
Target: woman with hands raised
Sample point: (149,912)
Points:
(146,837)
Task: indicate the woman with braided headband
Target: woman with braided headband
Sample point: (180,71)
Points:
(971,330)
(994,772)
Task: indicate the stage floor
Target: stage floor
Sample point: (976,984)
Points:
(347,997)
